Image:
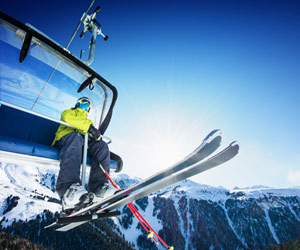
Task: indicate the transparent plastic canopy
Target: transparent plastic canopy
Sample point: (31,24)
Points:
(47,80)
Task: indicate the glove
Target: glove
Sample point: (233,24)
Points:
(95,132)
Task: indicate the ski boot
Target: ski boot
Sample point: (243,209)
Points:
(103,192)
(75,198)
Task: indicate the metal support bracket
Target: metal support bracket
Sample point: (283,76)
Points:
(85,147)
(91,24)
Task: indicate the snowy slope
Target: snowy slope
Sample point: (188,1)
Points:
(33,189)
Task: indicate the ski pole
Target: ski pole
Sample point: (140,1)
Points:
(130,204)
(138,216)
(151,229)
(132,209)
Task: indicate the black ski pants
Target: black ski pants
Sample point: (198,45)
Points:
(71,152)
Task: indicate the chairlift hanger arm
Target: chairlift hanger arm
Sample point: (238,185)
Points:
(90,23)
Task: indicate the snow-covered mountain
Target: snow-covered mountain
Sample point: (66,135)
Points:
(187,215)
(195,216)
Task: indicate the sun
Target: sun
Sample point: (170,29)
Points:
(164,133)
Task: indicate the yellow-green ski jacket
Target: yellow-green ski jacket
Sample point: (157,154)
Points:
(76,117)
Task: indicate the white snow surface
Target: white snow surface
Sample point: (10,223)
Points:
(216,194)
(25,182)
(195,191)
(272,230)
(265,192)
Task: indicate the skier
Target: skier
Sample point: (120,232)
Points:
(70,142)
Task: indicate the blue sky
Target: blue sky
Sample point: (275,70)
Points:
(184,68)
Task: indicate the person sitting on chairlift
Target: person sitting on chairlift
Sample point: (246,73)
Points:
(70,141)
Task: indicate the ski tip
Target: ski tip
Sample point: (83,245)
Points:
(51,225)
(235,144)
(213,134)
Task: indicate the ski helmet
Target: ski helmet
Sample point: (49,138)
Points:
(83,103)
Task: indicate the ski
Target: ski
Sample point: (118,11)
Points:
(209,145)
(87,217)
(220,158)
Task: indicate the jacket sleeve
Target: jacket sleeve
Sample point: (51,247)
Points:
(78,121)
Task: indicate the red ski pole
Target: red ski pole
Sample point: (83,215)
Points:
(133,210)
(144,223)
(129,205)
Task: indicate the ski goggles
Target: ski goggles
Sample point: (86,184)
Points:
(85,107)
